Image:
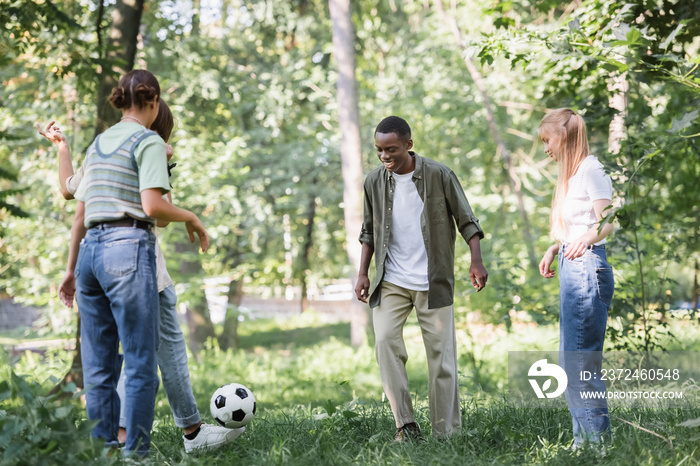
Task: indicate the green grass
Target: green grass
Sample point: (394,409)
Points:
(320,403)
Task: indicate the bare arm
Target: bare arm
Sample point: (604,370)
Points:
(546,262)
(592,236)
(65,169)
(477,271)
(165,223)
(169,152)
(65,164)
(66,291)
(362,286)
(155,206)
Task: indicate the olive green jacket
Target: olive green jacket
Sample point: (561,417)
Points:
(444,205)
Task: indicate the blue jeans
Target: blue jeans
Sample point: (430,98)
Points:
(172,360)
(586,288)
(118,300)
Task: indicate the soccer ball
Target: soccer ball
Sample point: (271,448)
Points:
(232,405)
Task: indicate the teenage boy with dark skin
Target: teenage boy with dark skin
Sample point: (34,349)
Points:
(411,207)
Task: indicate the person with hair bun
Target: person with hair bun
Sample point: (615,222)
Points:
(172,351)
(586,284)
(120,200)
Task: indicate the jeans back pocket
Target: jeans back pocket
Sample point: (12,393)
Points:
(121,257)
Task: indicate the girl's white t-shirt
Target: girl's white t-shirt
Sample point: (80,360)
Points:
(407,261)
(589,183)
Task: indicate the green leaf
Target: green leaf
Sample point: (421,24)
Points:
(14,210)
(574,25)
(664,45)
(620,32)
(5,391)
(63,411)
(349,414)
(690,423)
(624,217)
(7,175)
(634,37)
(503,22)
(614,65)
(51,446)
(329,406)
(70,387)
(684,122)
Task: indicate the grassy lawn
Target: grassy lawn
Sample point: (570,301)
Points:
(320,403)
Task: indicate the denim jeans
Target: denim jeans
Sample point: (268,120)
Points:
(117,297)
(172,360)
(586,288)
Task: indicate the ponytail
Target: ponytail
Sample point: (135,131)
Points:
(163,124)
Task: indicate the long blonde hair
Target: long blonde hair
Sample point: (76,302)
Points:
(573,149)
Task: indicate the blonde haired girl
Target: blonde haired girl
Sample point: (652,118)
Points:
(586,284)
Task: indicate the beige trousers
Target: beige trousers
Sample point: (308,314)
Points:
(438,329)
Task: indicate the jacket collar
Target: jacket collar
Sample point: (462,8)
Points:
(417,170)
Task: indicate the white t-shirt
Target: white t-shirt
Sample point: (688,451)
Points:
(162,275)
(590,183)
(407,262)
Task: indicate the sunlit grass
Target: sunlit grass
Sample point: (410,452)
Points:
(320,402)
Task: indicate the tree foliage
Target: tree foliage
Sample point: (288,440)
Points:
(652,47)
(257,145)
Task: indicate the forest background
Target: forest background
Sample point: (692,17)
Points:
(276,102)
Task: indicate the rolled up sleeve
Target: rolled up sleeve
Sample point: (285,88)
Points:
(367,231)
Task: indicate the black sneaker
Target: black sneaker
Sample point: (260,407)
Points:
(409,433)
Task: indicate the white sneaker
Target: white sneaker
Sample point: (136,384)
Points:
(211,437)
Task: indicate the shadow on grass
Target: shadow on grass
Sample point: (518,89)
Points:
(297,337)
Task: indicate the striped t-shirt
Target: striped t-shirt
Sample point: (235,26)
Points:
(120,163)
(162,276)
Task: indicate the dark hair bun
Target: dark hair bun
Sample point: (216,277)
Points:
(136,88)
(143,93)
(118,97)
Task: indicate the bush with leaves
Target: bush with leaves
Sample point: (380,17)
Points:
(44,430)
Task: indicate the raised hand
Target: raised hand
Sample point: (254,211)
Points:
(52,133)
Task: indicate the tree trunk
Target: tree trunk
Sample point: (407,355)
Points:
(123,34)
(696,294)
(618,101)
(196,5)
(306,248)
(351,149)
(229,336)
(509,171)
(224,15)
(119,57)
(198,319)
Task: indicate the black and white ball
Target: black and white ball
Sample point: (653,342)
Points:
(232,405)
